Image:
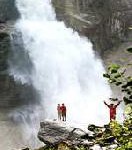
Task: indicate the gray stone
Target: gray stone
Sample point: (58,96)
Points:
(105,22)
(53,133)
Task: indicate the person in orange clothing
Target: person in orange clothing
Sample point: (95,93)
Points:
(63,110)
(59,111)
(112,109)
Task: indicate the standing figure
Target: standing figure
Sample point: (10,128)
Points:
(59,112)
(112,109)
(63,109)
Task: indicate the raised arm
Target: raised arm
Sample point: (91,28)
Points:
(106,104)
(118,103)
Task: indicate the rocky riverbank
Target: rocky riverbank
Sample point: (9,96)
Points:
(61,136)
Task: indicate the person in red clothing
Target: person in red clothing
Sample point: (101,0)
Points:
(59,111)
(63,110)
(112,108)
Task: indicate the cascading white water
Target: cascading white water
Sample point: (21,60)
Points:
(65,67)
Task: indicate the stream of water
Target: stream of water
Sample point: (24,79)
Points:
(64,68)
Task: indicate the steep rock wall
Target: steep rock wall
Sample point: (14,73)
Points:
(8,10)
(105,22)
(12,93)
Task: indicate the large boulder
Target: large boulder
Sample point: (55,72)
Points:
(53,133)
(59,134)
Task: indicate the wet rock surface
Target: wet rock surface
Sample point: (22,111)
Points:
(13,93)
(105,22)
(8,11)
(55,135)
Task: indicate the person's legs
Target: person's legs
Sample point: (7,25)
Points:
(112,117)
(65,116)
(60,115)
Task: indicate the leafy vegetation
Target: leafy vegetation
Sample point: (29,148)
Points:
(116,75)
(122,133)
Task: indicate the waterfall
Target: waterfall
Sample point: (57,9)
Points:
(65,68)
(60,65)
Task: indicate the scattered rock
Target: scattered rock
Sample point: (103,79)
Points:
(60,136)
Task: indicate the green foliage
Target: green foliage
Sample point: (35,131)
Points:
(116,75)
(116,128)
(113,68)
(114,133)
(81,148)
(128,110)
(122,134)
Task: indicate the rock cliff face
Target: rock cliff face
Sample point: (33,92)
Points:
(105,22)
(8,10)
(12,93)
